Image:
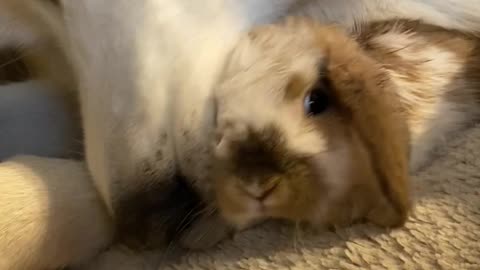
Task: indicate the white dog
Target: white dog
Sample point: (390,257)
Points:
(145,70)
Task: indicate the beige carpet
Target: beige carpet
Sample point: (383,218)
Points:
(442,233)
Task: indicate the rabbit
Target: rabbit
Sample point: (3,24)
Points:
(320,124)
(144,74)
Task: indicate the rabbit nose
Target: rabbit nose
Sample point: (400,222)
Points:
(260,192)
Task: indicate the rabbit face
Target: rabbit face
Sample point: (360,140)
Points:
(308,130)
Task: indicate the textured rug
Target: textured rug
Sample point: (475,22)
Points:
(442,233)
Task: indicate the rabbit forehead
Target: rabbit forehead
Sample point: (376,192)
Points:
(266,84)
(274,51)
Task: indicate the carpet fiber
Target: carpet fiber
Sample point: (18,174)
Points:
(442,233)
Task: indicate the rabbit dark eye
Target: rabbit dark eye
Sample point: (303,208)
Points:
(316,101)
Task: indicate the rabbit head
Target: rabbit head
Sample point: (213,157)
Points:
(308,130)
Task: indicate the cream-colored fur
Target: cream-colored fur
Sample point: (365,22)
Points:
(51,215)
(145,71)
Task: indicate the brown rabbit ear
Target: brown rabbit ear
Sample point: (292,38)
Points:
(364,90)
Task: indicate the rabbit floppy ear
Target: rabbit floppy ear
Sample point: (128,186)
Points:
(363,89)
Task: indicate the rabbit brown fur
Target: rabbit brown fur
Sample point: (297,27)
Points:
(394,89)
(145,72)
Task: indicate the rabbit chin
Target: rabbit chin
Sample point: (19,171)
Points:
(245,211)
